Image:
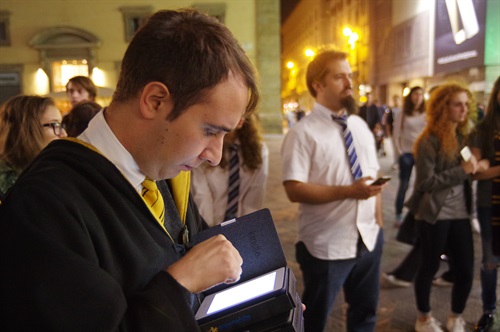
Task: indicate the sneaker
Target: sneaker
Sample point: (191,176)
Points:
(391,280)
(430,325)
(456,324)
(441,282)
(484,323)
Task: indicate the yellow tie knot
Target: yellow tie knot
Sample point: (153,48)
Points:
(154,199)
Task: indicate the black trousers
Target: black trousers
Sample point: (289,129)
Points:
(455,236)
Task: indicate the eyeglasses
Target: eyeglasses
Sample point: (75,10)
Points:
(57,127)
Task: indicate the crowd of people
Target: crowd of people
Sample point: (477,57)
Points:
(98,207)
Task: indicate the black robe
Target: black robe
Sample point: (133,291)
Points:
(80,251)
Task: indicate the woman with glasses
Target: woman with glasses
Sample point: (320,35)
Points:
(27,125)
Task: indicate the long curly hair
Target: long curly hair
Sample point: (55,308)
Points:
(21,133)
(250,137)
(438,123)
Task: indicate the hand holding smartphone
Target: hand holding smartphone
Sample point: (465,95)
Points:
(466,153)
(381,180)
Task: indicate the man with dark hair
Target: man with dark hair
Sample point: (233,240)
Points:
(80,88)
(328,157)
(95,235)
(369,112)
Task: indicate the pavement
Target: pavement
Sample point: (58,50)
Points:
(397,309)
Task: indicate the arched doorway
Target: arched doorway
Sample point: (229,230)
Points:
(65,46)
(65,52)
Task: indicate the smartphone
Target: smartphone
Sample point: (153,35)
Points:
(466,154)
(381,180)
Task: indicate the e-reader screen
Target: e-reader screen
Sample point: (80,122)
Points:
(266,284)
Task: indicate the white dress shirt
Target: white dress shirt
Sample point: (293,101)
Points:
(209,186)
(314,151)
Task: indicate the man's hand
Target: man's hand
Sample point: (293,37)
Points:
(207,264)
(361,190)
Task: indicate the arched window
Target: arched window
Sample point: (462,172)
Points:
(65,52)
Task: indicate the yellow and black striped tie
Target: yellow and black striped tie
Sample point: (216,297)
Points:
(154,200)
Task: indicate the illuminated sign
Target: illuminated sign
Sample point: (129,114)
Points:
(459,34)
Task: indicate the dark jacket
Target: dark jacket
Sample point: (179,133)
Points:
(370,114)
(80,251)
(435,178)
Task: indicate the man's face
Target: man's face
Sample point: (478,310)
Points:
(197,135)
(369,99)
(76,93)
(335,86)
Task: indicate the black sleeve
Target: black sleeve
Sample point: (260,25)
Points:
(52,276)
(159,308)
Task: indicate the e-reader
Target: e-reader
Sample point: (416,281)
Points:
(241,295)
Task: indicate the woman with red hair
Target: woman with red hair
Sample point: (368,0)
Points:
(443,201)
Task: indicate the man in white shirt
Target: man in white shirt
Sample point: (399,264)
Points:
(340,236)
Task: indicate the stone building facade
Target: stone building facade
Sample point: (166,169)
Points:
(42,43)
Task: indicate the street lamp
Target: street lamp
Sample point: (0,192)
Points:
(353,37)
(309,53)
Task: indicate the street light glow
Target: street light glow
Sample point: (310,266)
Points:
(353,38)
(347,31)
(309,53)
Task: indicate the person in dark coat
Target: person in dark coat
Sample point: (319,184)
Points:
(96,233)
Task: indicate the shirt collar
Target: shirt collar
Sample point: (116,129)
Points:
(100,135)
(325,112)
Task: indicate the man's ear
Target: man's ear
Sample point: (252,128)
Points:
(155,99)
(316,85)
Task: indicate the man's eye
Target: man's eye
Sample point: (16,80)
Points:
(209,132)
